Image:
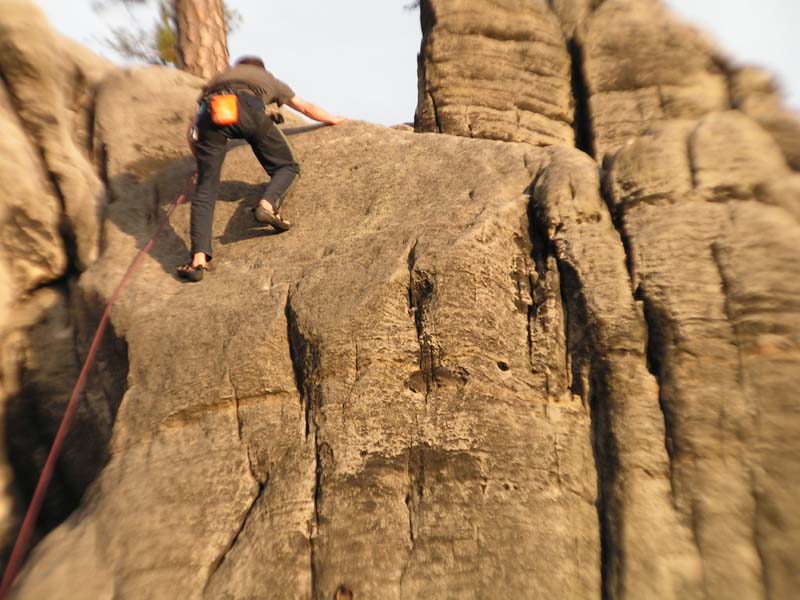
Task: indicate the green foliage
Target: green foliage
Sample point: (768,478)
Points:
(156,44)
(166,38)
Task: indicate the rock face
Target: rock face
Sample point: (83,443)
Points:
(609,69)
(51,84)
(50,212)
(754,92)
(713,266)
(286,434)
(474,368)
(497,70)
(642,67)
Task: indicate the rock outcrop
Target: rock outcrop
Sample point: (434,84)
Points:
(498,70)
(755,93)
(51,84)
(609,69)
(713,266)
(641,67)
(474,368)
(50,211)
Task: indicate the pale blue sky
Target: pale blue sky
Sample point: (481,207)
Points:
(358,57)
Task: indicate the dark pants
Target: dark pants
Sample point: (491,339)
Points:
(270,146)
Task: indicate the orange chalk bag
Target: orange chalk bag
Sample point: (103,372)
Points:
(225,109)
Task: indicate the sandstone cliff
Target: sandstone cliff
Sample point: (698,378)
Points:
(557,362)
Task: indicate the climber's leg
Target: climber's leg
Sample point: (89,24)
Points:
(275,154)
(210,149)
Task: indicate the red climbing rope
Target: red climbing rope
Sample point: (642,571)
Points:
(25,532)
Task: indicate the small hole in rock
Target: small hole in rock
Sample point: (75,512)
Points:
(503,366)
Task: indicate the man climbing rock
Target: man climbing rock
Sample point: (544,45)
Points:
(232,106)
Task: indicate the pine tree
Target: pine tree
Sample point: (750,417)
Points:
(202,43)
(159,43)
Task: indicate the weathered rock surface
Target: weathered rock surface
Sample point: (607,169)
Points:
(642,66)
(472,369)
(51,84)
(649,552)
(498,70)
(609,70)
(30,215)
(716,271)
(50,215)
(51,196)
(361,416)
(754,92)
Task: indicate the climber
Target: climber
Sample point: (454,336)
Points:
(232,106)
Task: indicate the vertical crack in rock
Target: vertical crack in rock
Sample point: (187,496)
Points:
(548,350)
(435,112)
(306,364)
(245,448)
(298,351)
(557,456)
(239,424)
(609,507)
(729,316)
(428,19)
(546,319)
(91,123)
(588,372)
(654,322)
(532,309)
(657,331)
(315,527)
(740,380)
(420,290)
(729,73)
(416,488)
(690,156)
(618,220)
(656,328)
(235,539)
(66,233)
(582,121)
(657,339)
(579,354)
(101,163)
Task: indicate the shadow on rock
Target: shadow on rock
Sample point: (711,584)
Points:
(298,130)
(57,326)
(142,196)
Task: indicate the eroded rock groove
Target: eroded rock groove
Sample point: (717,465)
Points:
(305,363)
(420,289)
(587,382)
(582,122)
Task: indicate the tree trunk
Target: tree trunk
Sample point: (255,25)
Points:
(202,41)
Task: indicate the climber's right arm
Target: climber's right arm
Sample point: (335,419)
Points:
(313,111)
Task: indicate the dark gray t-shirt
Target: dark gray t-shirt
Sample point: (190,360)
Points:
(252,80)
